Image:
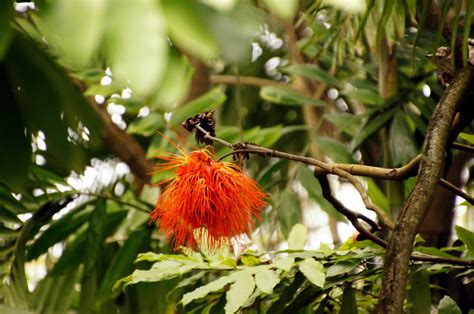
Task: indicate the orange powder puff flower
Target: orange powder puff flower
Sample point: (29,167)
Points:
(205,200)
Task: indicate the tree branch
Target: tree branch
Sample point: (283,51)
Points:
(400,245)
(330,168)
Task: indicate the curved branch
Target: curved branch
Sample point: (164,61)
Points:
(400,245)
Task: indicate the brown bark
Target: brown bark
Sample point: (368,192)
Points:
(415,208)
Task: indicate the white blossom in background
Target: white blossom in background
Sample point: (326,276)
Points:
(256,51)
(270,39)
(23,7)
(143,112)
(167,116)
(126,93)
(99,99)
(105,80)
(426,90)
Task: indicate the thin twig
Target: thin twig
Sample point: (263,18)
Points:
(352,216)
(451,187)
(464,147)
(354,219)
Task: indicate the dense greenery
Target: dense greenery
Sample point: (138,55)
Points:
(91,90)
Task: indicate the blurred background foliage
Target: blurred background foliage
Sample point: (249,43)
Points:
(87,88)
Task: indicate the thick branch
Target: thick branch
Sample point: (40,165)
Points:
(415,208)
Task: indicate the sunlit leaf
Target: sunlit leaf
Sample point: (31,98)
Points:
(239,292)
(298,236)
(448,306)
(313,271)
(467,237)
(206,289)
(284,9)
(136,44)
(266,280)
(188,30)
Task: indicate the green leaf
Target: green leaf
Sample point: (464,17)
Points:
(16,142)
(188,30)
(11,203)
(284,9)
(8,216)
(239,292)
(346,122)
(266,280)
(58,231)
(448,306)
(210,100)
(95,235)
(467,137)
(284,263)
(202,291)
(136,45)
(342,267)
(334,149)
(77,39)
(289,211)
(349,303)
(366,96)
(311,184)
(376,195)
(419,293)
(121,263)
(7,309)
(401,141)
(40,83)
(372,126)
(6,13)
(297,238)
(146,126)
(467,237)
(313,72)
(313,271)
(285,96)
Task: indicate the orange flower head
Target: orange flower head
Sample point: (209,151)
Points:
(205,200)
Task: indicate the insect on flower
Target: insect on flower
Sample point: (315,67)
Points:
(205,200)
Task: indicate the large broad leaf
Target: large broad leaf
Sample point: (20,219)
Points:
(401,141)
(51,103)
(285,96)
(187,30)
(467,237)
(448,306)
(289,211)
(346,122)
(239,292)
(297,238)
(15,159)
(136,44)
(202,291)
(285,9)
(334,149)
(78,39)
(266,280)
(373,125)
(349,303)
(419,293)
(58,231)
(313,271)
(313,72)
(6,10)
